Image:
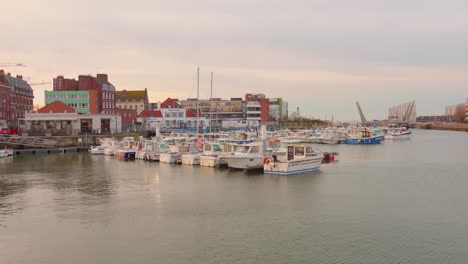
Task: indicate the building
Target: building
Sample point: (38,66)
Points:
(21,96)
(278,109)
(399,112)
(56,107)
(104,89)
(128,116)
(132,99)
(172,116)
(216,110)
(47,123)
(432,119)
(85,102)
(263,109)
(170,103)
(5,102)
(457,113)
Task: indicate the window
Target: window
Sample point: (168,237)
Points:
(299,151)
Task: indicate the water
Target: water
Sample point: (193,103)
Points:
(399,202)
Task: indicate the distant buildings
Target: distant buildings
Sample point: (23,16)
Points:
(132,99)
(16,97)
(85,102)
(59,119)
(400,112)
(105,91)
(457,112)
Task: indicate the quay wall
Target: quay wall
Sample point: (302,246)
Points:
(444,126)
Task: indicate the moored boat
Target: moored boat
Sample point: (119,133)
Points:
(293,159)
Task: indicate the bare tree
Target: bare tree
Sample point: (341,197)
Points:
(460,114)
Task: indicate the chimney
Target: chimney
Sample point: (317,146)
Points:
(9,74)
(102,77)
(19,77)
(2,73)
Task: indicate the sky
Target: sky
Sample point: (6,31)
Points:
(320,56)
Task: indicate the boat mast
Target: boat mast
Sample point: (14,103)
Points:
(198,95)
(211,98)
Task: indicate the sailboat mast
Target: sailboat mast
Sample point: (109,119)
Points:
(198,94)
(211,98)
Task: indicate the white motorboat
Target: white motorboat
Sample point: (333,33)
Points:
(398,133)
(3,153)
(246,157)
(293,159)
(96,150)
(174,155)
(212,155)
(128,149)
(333,136)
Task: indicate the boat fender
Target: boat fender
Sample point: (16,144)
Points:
(331,157)
(266,160)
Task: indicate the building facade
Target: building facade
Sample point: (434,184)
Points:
(83,101)
(132,99)
(171,118)
(100,84)
(278,109)
(5,102)
(264,106)
(20,99)
(128,116)
(398,112)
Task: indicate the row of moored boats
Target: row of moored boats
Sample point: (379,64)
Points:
(277,152)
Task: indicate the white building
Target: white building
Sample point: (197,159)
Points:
(398,112)
(70,124)
(172,118)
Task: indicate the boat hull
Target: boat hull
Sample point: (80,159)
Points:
(293,166)
(371,140)
(169,158)
(244,163)
(405,135)
(191,159)
(212,161)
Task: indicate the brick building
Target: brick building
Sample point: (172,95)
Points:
(132,99)
(261,109)
(104,89)
(129,117)
(20,98)
(5,103)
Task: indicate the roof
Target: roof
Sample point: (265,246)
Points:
(170,102)
(56,107)
(130,94)
(151,113)
(193,113)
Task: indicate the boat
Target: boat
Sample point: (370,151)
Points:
(398,133)
(212,155)
(193,156)
(96,150)
(364,136)
(128,149)
(333,136)
(174,155)
(292,159)
(247,157)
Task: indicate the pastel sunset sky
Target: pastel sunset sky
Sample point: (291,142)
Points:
(319,55)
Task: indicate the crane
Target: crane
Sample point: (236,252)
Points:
(40,83)
(361,114)
(12,65)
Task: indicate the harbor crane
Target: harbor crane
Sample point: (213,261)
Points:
(12,65)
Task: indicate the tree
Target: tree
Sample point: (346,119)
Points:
(460,114)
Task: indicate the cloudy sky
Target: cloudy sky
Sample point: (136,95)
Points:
(319,55)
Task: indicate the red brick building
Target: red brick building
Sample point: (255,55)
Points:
(20,99)
(5,103)
(129,116)
(264,105)
(105,90)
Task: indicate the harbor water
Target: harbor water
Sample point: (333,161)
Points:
(397,202)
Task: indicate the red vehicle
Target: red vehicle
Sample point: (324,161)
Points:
(8,131)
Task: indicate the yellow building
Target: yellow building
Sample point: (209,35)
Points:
(132,99)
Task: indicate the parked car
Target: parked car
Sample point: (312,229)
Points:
(8,131)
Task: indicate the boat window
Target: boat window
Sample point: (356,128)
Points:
(243,149)
(299,151)
(216,147)
(255,149)
(309,150)
(207,147)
